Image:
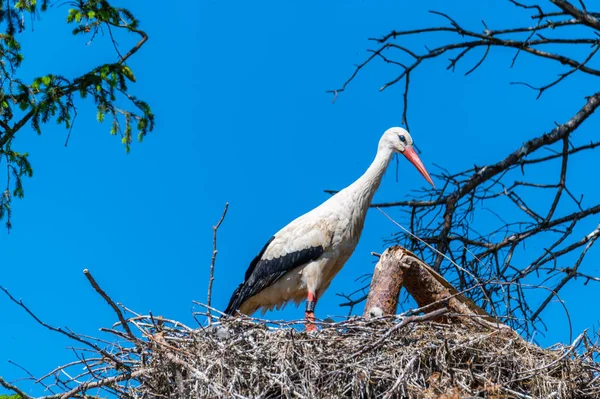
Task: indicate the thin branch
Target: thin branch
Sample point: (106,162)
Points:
(111,303)
(14,389)
(211,277)
(407,320)
(63,332)
(570,273)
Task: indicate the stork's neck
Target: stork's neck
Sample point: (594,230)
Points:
(363,189)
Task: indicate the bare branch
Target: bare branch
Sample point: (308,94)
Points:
(14,389)
(110,302)
(584,16)
(68,334)
(211,277)
(490,255)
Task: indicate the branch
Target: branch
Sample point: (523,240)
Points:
(586,18)
(111,303)
(486,173)
(14,389)
(407,320)
(108,381)
(570,273)
(212,262)
(69,334)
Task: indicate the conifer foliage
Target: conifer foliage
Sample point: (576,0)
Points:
(30,104)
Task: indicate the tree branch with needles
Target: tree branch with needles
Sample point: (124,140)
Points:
(56,97)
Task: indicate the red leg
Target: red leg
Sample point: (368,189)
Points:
(309,315)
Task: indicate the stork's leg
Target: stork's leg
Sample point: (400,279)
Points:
(309,315)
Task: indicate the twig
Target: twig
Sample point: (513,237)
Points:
(111,303)
(212,262)
(401,377)
(567,352)
(14,389)
(101,383)
(407,320)
(66,333)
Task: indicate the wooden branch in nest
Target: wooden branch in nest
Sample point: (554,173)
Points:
(397,268)
(386,283)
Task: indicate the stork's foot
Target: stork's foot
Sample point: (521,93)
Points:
(309,315)
(310,322)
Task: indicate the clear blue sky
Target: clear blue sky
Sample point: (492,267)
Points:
(238,89)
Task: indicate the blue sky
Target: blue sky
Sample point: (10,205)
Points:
(239,93)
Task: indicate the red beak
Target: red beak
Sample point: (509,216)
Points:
(412,156)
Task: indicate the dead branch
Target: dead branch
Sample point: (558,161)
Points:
(445,218)
(398,268)
(13,388)
(356,357)
(211,277)
(110,302)
(68,334)
(386,283)
(409,319)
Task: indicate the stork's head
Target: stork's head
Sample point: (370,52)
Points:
(399,140)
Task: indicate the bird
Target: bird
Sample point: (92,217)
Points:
(300,260)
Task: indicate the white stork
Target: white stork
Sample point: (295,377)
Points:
(301,259)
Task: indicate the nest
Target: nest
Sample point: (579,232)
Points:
(402,356)
(450,352)
(359,358)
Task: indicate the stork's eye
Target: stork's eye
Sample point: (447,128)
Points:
(402,138)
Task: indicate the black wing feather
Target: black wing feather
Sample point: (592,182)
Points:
(257,259)
(263,273)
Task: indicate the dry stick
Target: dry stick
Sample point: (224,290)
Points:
(562,180)
(209,307)
(194,371)
(100,383)
(112,304)
(32,376)
(212,262)
(570,274)
(60,368)
(69,334)
(567,352)
(13,388)
(400,377)
(404,322)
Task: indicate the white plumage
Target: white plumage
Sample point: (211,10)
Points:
(301,259)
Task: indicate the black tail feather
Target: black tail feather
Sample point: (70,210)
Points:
(235,302)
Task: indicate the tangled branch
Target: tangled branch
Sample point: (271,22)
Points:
(455,218)
(405,355)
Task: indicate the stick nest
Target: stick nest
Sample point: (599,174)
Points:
(383,358)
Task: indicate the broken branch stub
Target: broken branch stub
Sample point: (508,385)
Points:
(399,267)
(385,284)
